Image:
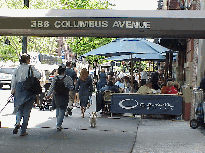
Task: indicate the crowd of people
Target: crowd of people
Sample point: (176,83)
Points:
(66,89)
(120,82)
(155,84)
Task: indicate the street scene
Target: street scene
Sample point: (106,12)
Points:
(102,76)
(124,134)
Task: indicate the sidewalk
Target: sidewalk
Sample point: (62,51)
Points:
(123,135)
(168,136)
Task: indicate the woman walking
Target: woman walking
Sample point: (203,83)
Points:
(23,98)
(60,89)
(85,88)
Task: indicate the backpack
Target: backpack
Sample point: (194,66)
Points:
(60,86)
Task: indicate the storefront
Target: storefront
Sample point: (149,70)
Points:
(177,24)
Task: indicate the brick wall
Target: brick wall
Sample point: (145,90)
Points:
(173,5)
(190,49)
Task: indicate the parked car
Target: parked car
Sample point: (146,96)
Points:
(6,74)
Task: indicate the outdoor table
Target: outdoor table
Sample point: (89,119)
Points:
(146,104)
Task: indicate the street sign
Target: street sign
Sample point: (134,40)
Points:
(104,23)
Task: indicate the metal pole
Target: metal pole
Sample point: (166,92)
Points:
(170,64)
(24,39)
(24,45)
(149,70)
(132,74)
(139,72)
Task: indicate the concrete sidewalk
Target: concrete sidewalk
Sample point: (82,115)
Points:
(123,135)
(168,136)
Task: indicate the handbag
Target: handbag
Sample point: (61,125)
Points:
(32,83)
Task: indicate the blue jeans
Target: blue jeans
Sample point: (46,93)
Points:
(24,111)
(60,112)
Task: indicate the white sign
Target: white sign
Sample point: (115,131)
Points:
(34,58)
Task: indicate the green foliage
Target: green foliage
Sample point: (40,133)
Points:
(85,4)
(45,45)
(82,45)
(48,45)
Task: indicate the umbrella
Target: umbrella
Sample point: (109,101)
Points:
(144,57)
(126,46)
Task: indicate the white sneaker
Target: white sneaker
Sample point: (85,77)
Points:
(78,105)
(66,113)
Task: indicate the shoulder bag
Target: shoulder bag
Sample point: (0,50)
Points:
(32,83)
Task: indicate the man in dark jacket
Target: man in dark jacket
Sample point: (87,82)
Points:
(154,79)
(70,72)
(110,86)
(202,84)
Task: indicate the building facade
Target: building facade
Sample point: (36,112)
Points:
(190,64)
(64,50)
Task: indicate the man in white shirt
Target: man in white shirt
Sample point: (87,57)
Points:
(121,75)
(144,77)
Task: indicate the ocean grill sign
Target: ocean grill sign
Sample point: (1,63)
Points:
(146,104)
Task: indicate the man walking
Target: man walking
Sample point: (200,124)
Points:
(23,98)
(70,72)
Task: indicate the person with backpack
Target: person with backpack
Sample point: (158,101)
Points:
(70,72)
(84,87)
(59,88)
(23,98)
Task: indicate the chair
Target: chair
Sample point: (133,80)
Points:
(121,90)
(107,100)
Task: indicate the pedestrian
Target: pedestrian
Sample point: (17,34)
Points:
(102,80)
(176,85)
(202,85)
(121,74)
(109,87)
(146,89)
(154,79)
(70,72)
(59,88)
(144,77)
(119,83)
(135,86)
(23,98)
(127,84)
(170,89)
(84,87)
(161,82)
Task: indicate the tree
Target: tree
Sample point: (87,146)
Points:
(48,45)
(81,45)
(45,45)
